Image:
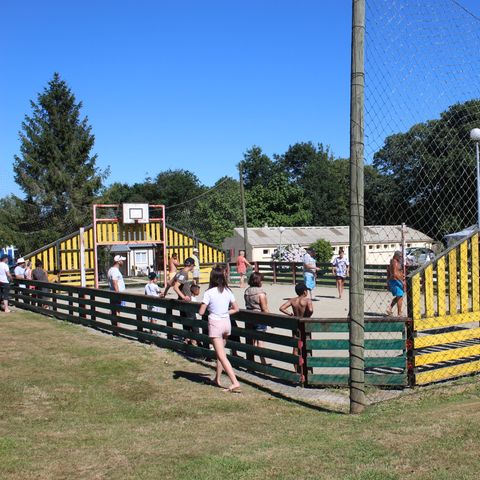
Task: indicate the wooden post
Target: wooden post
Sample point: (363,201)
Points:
(303,353)
(83,278)
(356,300)
(93,317)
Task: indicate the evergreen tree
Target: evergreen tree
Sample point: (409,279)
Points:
(55,168)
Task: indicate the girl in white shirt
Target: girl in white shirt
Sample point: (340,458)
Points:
(220,302)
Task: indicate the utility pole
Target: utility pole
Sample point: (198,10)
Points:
(244,210)
(357,253)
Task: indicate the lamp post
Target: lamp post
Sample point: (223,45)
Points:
(281,230)
(475,136)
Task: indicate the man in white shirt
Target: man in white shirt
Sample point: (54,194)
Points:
(5,278)
(19,274)
(116,282)
(310,270)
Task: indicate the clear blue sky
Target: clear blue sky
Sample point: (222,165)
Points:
(182,84)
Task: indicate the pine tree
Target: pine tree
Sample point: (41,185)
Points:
(55,169)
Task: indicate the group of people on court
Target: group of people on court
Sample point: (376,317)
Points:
(220,303)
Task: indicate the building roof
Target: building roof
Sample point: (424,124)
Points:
(270,236)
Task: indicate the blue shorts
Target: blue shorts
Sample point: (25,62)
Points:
(309,279)
(396,288)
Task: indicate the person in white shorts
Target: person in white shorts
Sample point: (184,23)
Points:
(220,302)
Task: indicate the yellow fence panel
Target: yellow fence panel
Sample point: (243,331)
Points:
(444,338)
(447,372)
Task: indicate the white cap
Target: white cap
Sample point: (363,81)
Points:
(20,260)
(117,258)
(195,249)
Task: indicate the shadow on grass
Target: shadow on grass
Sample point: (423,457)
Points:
(204,379)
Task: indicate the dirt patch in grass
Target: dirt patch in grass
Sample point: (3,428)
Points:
(79,405)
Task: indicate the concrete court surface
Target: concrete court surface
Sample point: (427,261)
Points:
(326,302)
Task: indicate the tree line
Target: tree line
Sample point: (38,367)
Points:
(424,177)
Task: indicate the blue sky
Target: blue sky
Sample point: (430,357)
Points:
(182,84)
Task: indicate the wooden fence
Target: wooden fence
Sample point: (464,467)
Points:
(296,350)
(290,272)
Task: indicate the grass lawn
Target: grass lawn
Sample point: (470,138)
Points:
(77,404)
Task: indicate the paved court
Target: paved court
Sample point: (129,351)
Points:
(326,302)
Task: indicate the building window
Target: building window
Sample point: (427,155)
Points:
(140,257)
(377,246)
(385,246)
(409,244)
(370,247)
(266,251)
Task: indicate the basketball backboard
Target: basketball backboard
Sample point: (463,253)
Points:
(135,213)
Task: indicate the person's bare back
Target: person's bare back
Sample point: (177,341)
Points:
(301,305)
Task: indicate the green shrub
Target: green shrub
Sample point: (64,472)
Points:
(323,251)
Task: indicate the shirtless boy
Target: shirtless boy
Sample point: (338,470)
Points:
(301,305)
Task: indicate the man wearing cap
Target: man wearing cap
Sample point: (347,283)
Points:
(5,278)
(19,273)
(309,270)
(114,275)
(116,282)
(396,282)
(196,268)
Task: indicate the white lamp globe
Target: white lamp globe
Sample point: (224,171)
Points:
(475,134)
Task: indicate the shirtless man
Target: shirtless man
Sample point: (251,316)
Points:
(301,305)
(396,283)
(173,265)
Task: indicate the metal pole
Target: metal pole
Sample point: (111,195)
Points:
(478,185)
(95,254)
(244,210)
(356,296)
(83,278)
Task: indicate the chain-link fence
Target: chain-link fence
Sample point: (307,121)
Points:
(422,99)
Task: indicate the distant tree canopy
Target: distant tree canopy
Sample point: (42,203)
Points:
(424,177)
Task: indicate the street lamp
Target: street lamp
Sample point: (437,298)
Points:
(281,230)
(475,136)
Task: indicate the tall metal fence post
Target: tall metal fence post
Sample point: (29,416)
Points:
(356,300)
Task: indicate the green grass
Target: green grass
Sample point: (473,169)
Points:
(75,404)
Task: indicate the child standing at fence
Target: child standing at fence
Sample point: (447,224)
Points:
(220,302)
(256,301)
(152,290)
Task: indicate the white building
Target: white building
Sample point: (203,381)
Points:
(381,241)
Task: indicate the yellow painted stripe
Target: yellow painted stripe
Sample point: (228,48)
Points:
(429,301)
(464,277)
(448,372)
(446,321)
(453,354)
(442,338)
(475,277)
(452,280)
(441,305)
(416,298)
